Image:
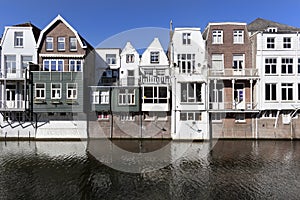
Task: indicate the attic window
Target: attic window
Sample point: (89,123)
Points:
(272,30)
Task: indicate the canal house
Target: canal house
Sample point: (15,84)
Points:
(189,83)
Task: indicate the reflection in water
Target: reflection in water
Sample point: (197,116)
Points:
(231,170)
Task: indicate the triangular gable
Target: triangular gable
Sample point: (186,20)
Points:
(59,18)
(154,46)
(129,49)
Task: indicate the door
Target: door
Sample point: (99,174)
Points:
(238,64)
(11,101)
(239,96)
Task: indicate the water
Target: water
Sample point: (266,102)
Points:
(231,170)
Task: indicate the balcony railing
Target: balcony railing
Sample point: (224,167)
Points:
(233,73)
(225,106)
(155,80)
(15,105)
(13,73)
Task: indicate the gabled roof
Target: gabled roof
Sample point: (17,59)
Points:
(36,31)
(81,41)
(129,49)
(260,24)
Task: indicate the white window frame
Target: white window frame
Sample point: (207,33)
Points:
(238,61)
(61,43)
(270,65)
(40,91)
(190,94)
(129,58)
(238,37)
(104,97)
(73,43)
(75,65)
(53,65)
(186,38)
(95,97)
(111,59)
(57,91)
(287,66)
(287,42)
(19,39)
(72,90)
(154,57)
(217,62)
(126,97)
(217,117)
(25,61)
(287,89)
(186,63)
(270,42)
(10,63)
(49,44)
(156,97)
(240,118)
(271,94)
(217,36)
(190,116)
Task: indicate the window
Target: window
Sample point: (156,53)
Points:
(126,97)
(217,117)
(298,65)
(49,44)
(95,97)
(60,43)
(71,91)
(238,92)
(298,91)
(217,37)
(10,63)
(238,37)
(55,90)
(75,65)
(154,57)
(287,91)
(155,94)
(129,58)
(73,44)
(25,61)
(287,43)
(190,116)
(53,65)
(40,90)
(104,97)
(217,95)
(102,115)
(19,39)
(186,63)
(269,114)
(240,117)
(270,65)
(130,77)
(186,38)
(238,62)
(127,117)
(272,30)
(111,59)
(270,91)
(270,43)
(287,65)
(190,92)
(217,62)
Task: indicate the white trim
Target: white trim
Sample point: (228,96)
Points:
(62,55)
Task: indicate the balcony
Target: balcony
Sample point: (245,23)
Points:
(13,105)
(233,106)
(13,74)
(155,80)
(227,73)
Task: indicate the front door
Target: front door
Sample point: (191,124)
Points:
(11,101)
(239,96)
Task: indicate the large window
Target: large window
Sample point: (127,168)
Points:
(126,97)
(71,90)
(49,44)
(217,37)
(270,92)
(55,90)
(190,92)
(238,36)
(287,43)
(40,90)
(287,91)
(217,62)
(287,65)
(186,63)
(190,116)
(270,43)
(270,65)
(75,65)
(73,44)
(53,65)
(10,63)
(154,57)
(61,44)
(155,94)
(19,39)
(111,59)
(104,97)
(238,62)
(186,38)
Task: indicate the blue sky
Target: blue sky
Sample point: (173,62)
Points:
(96,20)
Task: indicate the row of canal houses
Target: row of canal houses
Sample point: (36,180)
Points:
(234,80)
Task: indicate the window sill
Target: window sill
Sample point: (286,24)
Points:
(240,121)
(39,101)
(19,47)
(71,101)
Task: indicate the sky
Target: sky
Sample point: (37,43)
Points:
(97,20)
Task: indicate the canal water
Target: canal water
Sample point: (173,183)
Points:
(93,170)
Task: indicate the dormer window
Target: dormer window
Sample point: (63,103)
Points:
(272,30)
(154,57)
(18,39)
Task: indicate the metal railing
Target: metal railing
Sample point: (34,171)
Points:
(155,80)
(13,104)
(248,72)
(232,106)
